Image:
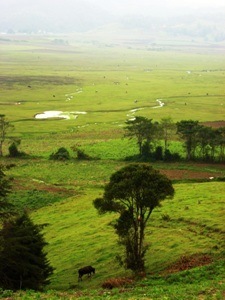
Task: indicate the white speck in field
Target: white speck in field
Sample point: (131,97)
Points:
(161,104)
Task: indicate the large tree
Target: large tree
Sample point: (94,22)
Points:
(23,263)
(134,192)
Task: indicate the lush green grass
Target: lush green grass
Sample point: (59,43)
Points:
(105,82)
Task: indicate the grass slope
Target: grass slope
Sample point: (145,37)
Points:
(190,224)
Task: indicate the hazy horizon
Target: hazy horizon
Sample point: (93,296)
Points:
(205,18)
(117,7)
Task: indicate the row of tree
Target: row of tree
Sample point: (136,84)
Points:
(199,141)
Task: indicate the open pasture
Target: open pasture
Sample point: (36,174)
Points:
(110,84)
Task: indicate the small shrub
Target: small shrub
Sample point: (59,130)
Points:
(82,156)
(158,154)
(14,152)
(166,217)
(61,154)
(116,283)
(5,293)
(168,156)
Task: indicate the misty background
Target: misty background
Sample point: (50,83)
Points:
(199,19)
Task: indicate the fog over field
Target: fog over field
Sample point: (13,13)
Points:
(204,19)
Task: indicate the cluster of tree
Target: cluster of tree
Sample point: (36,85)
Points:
(63,154)
(23,262)
(200,142)
(133,192)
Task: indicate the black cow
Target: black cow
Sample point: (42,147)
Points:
(85,270)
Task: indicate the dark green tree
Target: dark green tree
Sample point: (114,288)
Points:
(23,263)
(6,208)
(134,192)
(143,130)
(5,127)
(188,131)
(168,130)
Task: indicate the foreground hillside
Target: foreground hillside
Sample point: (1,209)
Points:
(186,235)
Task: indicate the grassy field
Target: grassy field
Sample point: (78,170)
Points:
(185,259)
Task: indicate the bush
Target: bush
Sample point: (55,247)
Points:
(158,153)
(81,155)
(61,154)
(168,156)
(117,282)
(14,152)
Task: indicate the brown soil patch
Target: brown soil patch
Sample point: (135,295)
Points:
(34,185)
(189,262)
(215,124)
(188,174)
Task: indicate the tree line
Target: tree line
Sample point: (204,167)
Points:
(200,142)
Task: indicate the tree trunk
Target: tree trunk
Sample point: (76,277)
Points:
(1,152)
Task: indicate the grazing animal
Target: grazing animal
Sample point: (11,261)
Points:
(85,270)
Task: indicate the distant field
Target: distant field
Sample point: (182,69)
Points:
(110,84)
(97,88)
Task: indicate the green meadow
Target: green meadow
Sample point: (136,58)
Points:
(98,88)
